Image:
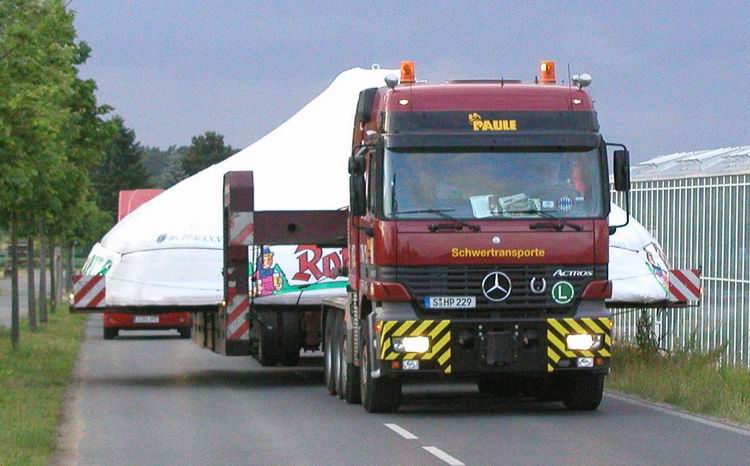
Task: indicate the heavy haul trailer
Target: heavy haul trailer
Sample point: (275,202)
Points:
(478,242)
(238,326)
(478,247)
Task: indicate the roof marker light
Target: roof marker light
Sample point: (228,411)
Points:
(407,72)
(547,72)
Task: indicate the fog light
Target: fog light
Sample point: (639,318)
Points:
(585,362)
(583,342)
(411,344)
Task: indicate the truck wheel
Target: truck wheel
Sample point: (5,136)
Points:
(339,337)
(500,387)
(290,337)
(186,332)
(110,333)
(329,351)
(268,339)
(382,395)
(349,373)
(584,392)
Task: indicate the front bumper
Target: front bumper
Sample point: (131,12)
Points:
(485,347)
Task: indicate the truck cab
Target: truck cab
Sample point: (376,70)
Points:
(478,241)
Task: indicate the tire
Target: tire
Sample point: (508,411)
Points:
(110,333)
(583,392)
(186,332)
(498,387)
(329,353)
(290,334)
(268,339)
(349,373)
(382,395)
(338,335)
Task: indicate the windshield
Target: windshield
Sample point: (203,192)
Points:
(471,185)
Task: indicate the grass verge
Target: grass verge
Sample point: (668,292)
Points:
(690,381)
(32,382)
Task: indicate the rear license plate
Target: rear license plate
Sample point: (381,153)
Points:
(450,302)
(146,319)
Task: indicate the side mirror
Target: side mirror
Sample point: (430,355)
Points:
(622,170)
(357,195)
(357,163)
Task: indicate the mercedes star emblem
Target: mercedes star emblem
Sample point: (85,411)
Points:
(496,286)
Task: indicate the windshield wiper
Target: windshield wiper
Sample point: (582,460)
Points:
(561,223)
(442,226)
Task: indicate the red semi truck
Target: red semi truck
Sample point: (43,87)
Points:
(478,242)
(113,322)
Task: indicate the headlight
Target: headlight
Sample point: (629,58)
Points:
(411,344)
(583,342)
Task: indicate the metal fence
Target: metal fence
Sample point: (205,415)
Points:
(700,221)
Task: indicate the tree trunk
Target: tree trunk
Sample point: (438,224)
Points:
(52,281)
(30,269)
(14,316)
(42,276)
(69,269)
(59,285)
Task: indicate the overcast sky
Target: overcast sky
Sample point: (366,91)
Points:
(667,76)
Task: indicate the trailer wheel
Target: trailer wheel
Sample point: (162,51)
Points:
(381,395)
(583,392)
(290,337)
(186,332)
(329,353)
(348,380)
(110,333)
(268,339)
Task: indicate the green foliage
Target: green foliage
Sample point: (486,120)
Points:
(644,333)
(122,168)
(33,379)
(204,151)
(51,127)
(164,167)
(688,379)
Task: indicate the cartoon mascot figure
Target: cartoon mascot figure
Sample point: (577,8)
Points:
(267,276)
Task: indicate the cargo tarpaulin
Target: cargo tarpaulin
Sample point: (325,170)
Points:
(169,250)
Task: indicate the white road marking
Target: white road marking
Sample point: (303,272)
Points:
(444,456)
(690,417)
(401,431)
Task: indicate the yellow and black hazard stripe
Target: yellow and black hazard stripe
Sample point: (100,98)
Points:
(438,331)
(559,329)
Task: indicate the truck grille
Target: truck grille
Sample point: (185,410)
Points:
(422,282)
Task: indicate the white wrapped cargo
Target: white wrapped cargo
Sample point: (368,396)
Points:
(169,250)
(638,268)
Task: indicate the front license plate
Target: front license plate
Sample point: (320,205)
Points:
(146,319)
(450,302)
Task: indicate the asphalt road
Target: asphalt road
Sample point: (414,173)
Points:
(147,399)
